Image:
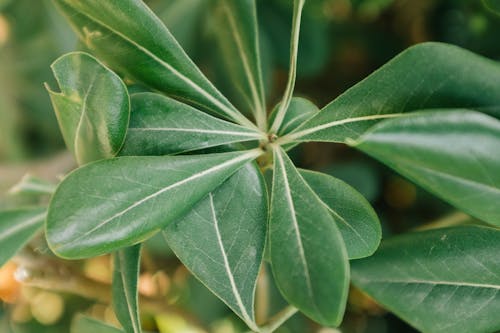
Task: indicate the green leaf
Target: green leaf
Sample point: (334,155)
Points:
(452,154)
(161,126)
(30,184)
(119,202)
(356,220)
(299,111)
(493,5)
(222,240)
(238,38)
(84,324)
(127,35)
(308,256)
(426,76)
(17,227)
(92,108)
(443,280)
(125,295)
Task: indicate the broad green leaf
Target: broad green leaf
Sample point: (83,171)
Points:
(125,293)
(238,38)
(127,35)
(442,280)
(453,154)
(356,220)
(426,76)
(84,324)
(299,111)
(30,184)
(308,256)
(161,126)
(493,5)
(17,227)
(92,108)
(221,240)
(119,202)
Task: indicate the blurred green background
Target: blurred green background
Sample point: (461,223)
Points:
(342,41)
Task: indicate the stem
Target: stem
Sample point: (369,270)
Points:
(279,319)
(294,46)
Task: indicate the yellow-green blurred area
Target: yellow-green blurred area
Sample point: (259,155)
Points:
(342,41)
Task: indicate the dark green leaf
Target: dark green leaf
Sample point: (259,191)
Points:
(125,295)
(308,256)
(222,240)
(355,218)
(161,126)
(119,202)
(92,108)
(17,227)
(426,76)
(493,5)
(452,154)
(444,280)
(83,324)
(128,36)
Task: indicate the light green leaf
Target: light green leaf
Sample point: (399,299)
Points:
(30,184)
(426,76)
(125,295)
(356,220)
(442,280)
(17,227)
(127,35)
(119,202)
(92,108)
(222,240)
(308,256)
(452,154)
(161,126)
(238,38)
(84,324)
(299,111)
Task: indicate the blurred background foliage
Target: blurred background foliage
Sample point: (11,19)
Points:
(342,41)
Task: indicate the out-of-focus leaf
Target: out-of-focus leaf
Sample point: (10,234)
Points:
(299,111)
(30,184)
(92,108)
(84,324)
(493,5)
(443,280)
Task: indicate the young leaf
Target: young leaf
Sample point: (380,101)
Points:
(299,111)
(92,108)
(356,220)
(128,36)
(308,256)
(125,294)
(238,37)
(17,227)
(84,324)
(222,240)
(452,154)
(119,202)
(161,126)
(443,280)
(426,76)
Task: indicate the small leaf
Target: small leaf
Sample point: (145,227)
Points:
(426,76)
(132,40)
(30,184)
(308,256)
(92,108)
(84,324)
(17,227)
(355,218)
(238,38)
(162,126)
(125,294)
(119,202)
(443,280)
(452,154)
(222,240)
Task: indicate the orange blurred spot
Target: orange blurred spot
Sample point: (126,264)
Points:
(9,286)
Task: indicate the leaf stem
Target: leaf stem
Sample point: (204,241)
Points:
(279,319)
(294,46)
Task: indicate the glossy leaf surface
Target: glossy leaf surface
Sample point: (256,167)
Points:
(308,257)
(453,154)
(161,126)
(128,36)
(84,324)
(92,108)
(426,76)
(221,240)
(442,280)
(125,293)
(119,202)
(356,220)
(17,227)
